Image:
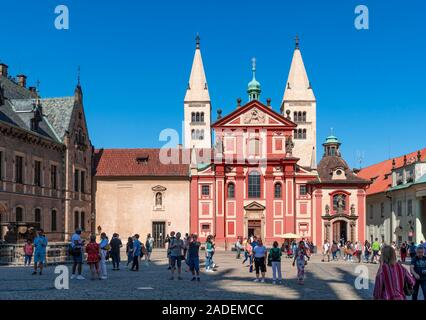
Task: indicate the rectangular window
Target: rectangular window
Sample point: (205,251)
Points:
(409,207)
(205,227)
(82,221)
(254,185)
(37,173)
(19,175)
(83,181)
(205,190)
(382,210)
(371,211)
(53,177)
(76,180)
(19,214)
(399,208)
(1,165)
(303,190)
(53,221)
(76,220)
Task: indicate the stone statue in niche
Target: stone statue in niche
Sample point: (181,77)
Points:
(340,203)
(289,145)
(327,210)
(352,209)
(158,199)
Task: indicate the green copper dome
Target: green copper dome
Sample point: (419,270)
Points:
(253,87)
(331,139)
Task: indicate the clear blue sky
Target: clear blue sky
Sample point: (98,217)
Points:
(136,56)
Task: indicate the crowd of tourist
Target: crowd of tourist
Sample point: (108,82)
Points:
(393,280)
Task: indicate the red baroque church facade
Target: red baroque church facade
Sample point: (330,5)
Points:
(262,178)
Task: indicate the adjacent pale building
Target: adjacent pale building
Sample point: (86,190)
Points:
(396,200)
(136,193)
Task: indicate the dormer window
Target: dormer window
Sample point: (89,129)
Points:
(142,160)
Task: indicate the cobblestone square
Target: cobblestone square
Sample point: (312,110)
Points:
(232,280)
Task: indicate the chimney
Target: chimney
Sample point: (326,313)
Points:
(22,80)
(3,70)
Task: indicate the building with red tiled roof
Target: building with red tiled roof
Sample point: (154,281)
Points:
(141,191)
(396,198)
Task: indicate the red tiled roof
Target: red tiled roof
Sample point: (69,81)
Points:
(379,171)
(124,163)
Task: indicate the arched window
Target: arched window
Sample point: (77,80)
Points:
(295,119)
(193,117)
(53,221)
(197,117)
(202,134)
(37,215)
(197,134)
(19,214)
(277,190)
(231,190)
(295,133)
(254,184)
(299,116)
(304,134)
(158,199)
(299,134)
(202,117)
(304,116)
(193,133)
(339,200)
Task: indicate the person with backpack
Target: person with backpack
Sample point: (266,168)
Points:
(274,259)
(393,281)
(77,254)
(137,249)
(28,252)
(418,270)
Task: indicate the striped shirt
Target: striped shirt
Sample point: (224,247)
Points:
(390,281)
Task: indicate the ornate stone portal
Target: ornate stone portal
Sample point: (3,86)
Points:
(254,218)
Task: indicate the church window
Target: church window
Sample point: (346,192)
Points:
(53,222)
(254,184)
(299,116)
(231,190)
(202,117)
(197,117)
(304,134)
(82,221)
(76,220)
(304,116)
(193,117)
(193,134)
(302,190)
(277,190)
(205,190)
(201,137)
(295,118)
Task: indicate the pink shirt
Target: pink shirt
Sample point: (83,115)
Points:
(390,281)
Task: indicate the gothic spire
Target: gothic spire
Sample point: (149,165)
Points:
(197,86)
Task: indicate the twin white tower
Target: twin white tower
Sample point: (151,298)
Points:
(298,102)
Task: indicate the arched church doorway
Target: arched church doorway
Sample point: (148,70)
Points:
(340,231)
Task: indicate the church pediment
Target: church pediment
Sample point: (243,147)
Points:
(254,206)
(254,113)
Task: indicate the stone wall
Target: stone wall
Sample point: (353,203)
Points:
(13,254)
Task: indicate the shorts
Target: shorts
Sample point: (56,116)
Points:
(375,253)
(40,257)
(78,258)
(194,264)
(174,260)
(259,263)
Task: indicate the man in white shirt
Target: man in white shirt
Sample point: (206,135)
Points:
(326,251)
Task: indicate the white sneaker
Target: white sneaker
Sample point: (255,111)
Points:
(209,270)
(73,276)
(256,280)
(104,278)
(274,282)
(80,277)
(263,280)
